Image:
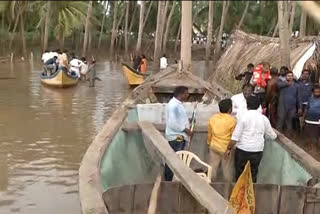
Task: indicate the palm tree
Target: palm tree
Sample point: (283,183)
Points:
(87,29)
(47,25)
(159,33)
(210,31)
(142,7)
(186,31)
(284,33)
(70,16)
(165,38)
(106,6)
(126,27)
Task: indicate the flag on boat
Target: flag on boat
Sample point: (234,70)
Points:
(242,197)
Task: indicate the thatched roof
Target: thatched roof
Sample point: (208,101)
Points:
(246,48)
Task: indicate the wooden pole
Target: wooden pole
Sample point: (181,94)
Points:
(186,34)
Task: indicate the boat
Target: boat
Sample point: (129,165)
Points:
(60,79)
(134,77)
(118,171)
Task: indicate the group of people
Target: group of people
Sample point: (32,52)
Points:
(53,60)
(291,104)
(237,133)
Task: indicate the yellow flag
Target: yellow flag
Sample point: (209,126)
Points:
(242,196)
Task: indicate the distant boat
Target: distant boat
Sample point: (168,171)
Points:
(134,77)
(60,79)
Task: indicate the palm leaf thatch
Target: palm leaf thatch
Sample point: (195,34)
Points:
(246,48)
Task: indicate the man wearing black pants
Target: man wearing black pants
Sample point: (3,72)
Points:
(248,138)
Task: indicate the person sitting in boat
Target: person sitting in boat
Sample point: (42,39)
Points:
(83,68)
(50,66)
(177,124)
(312,117)
(46,56)
(137,63)
(75,64)
(63,59)
(239,101)
(220,130)
(163,62)
(143,64)
(248,137)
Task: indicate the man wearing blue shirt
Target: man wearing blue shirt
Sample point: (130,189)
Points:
(177,124)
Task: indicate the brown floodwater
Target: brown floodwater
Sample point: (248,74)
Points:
(44,134)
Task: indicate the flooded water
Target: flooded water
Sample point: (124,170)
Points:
(45,133)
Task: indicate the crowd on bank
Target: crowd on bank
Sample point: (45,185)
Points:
(77,67)
(237,133)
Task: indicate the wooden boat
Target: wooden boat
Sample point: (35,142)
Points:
(118,171)
(60,79)
(134,77)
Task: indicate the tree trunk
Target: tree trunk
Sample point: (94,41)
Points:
(284,34)
(167,27)
(177,39)
(218,41)
(102,24)
(141,21)
(159,33)
(47,26)
(126,28)
(23,38)
(132,21)
(13,33)
(292,15)
(276,28)
(244,15)
(147,15)
(87,28)
(303,23)
(89,43)
(186,34)
(42,26)
(210,31)
(274,24)
(114,31)
(61,42)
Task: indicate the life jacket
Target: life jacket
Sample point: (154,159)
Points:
(144,66)
(257,76)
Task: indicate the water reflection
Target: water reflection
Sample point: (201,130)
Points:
(44,134)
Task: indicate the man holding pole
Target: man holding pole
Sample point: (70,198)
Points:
(177,124)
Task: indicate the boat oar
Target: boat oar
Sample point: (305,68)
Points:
(193,121)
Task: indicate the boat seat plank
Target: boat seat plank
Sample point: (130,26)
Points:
(197,187)
(141,198)
(270,192)
(292,199)
(133,126)
(312,204)
(119,199)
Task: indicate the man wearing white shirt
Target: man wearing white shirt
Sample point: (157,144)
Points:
(248,138)
(75,66)
(46,56)
(239,101)
(163,62)
(177,124)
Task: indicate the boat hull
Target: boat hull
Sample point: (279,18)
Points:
(60,79)
(133,77)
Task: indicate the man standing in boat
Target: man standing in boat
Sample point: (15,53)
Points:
(248,138)
(220,130)
(177,124)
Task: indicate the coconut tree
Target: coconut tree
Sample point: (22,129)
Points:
(217,51)
(210,31)
(106,6)
(87,29)
(186,33)
(284,33)
(159,33)
(126,27)
(292,15)
(168,24)
(114,25)
(47,25)
(303,22)
(141,20)
(244,14)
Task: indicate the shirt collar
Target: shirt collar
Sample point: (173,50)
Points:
(176,100)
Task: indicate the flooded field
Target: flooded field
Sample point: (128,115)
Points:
(44,134)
